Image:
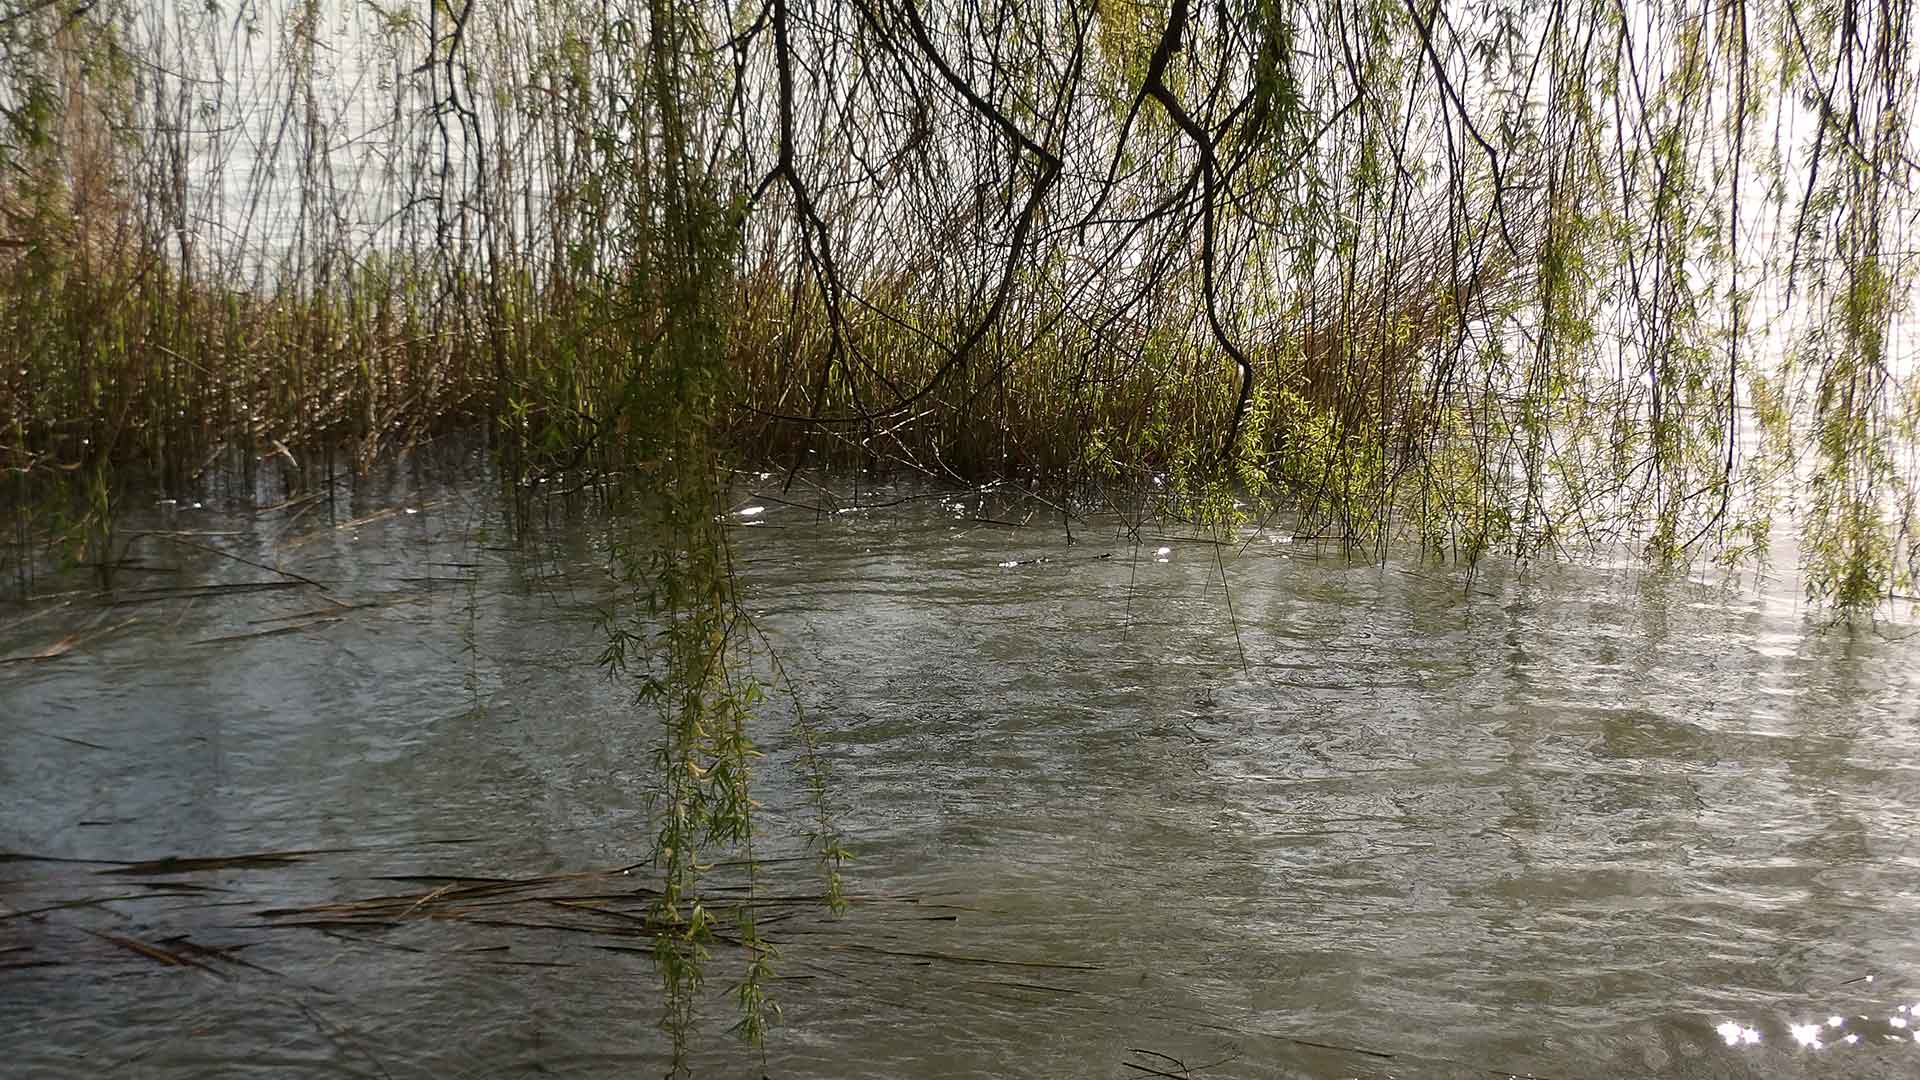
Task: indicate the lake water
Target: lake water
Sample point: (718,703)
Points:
(1561,821)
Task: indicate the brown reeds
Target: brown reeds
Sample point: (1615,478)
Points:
(206,308)
(284,243)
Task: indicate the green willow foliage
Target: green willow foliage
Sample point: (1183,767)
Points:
(678,624)
(1514,276)
(1499,276)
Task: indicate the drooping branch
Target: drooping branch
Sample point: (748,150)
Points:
(1155,86)
(1452,92)
(1049,165)
(816,240)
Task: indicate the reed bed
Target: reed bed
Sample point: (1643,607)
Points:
(282,240)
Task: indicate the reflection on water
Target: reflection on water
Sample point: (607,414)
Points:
(1835,1030)
(1552,821)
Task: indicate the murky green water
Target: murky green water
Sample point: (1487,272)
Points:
(1573,822)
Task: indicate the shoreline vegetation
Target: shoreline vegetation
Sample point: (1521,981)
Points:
(1480,282)
(1453,279)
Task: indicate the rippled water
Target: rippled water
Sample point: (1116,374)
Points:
(1563,821)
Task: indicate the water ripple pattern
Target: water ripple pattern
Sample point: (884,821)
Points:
(1559,821)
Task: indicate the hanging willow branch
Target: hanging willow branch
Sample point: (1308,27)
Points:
(1502,277)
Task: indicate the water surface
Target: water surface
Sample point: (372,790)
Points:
(1566,821)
